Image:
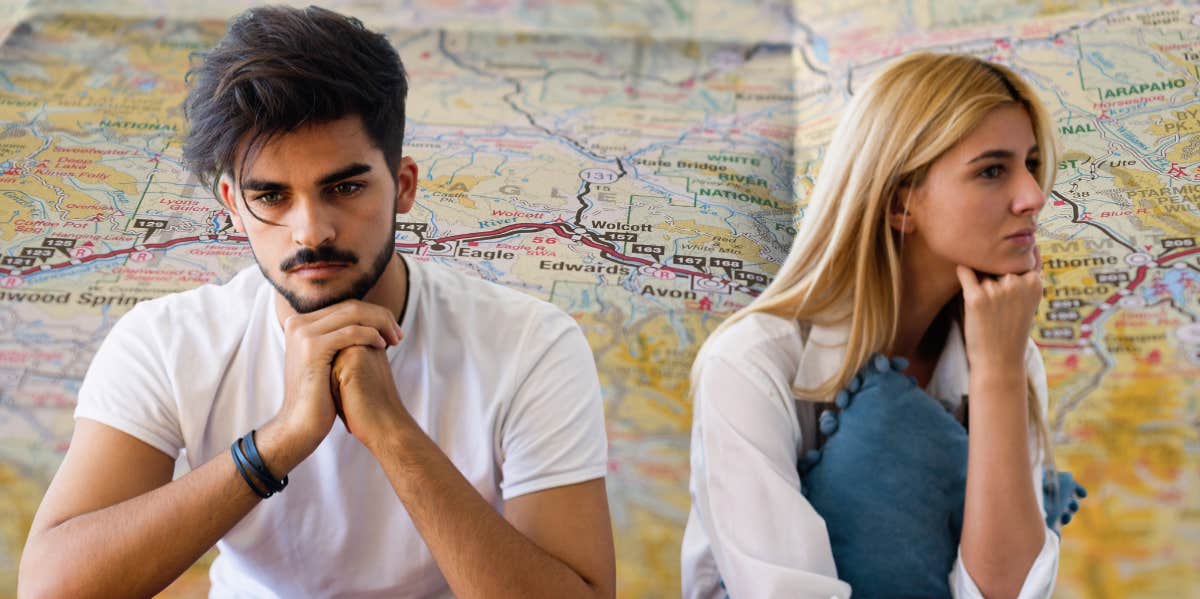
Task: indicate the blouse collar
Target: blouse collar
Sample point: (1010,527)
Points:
(825,348)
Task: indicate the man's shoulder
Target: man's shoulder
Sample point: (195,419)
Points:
(225,303)
(472,298)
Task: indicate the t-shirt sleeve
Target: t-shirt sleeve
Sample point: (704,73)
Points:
(127,387)
(553,432)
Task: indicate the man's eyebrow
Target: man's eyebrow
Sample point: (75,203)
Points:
(353,170)
(261,185)
(999,154)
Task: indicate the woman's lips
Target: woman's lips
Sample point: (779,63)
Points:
(1021,238)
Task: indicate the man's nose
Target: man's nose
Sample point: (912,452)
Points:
(310,222)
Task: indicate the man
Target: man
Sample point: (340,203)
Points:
(470,456)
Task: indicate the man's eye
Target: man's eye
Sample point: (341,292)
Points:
(268,199)
(346,188)
(992,172)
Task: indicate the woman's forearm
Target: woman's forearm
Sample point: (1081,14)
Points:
(1003,530)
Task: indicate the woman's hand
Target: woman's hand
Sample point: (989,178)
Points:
(999,315)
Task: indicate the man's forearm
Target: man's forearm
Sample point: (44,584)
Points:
(137,547)
(478,551)
(1003,531)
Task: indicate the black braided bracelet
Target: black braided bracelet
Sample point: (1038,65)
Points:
(240,461)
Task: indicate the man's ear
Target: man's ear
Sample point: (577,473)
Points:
(406,185)
(900,217)
(228,196)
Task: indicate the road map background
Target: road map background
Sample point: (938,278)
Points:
(643,166)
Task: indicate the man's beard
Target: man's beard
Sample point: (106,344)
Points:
(358,290)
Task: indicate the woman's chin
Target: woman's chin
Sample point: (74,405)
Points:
(1016,266)
(1019,267)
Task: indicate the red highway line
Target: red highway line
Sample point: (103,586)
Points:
(137,248)
(1113,299)
(1170,257)
(1138,279)
(518,228)
(558,229)
(480,234)
(515,228)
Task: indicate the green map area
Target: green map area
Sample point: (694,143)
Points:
(642,165)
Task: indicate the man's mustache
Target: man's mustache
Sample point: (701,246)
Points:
(325,253)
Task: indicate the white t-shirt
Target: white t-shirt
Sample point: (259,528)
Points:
(504,383)
(750,527)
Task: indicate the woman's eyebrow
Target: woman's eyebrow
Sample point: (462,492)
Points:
(1001,154)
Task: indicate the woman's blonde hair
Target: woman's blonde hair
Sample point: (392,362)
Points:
(844,263)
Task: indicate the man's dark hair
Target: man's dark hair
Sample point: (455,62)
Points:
(279,68)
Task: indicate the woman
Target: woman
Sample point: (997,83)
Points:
(918,243)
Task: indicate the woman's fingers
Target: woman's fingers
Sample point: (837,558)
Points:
(967,278)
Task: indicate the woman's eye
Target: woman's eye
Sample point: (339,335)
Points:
(992,172)
(1033,165)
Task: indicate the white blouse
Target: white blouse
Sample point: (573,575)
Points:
(750,527)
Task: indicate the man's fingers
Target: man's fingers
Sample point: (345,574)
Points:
(335,393)
(302,319)
(349,336)
(355,312)
(337,405)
